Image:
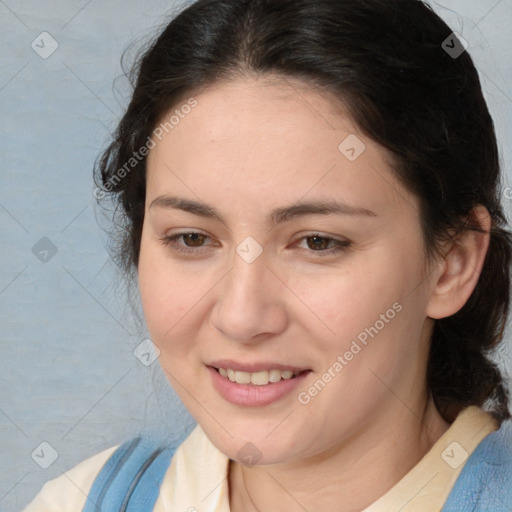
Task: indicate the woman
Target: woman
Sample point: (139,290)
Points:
(310,194)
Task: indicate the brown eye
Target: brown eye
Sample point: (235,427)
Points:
(187,242)
(195,239)
(319,245)
(319,242)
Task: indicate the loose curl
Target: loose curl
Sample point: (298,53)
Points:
(385,61)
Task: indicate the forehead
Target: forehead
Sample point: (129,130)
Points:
(277,138)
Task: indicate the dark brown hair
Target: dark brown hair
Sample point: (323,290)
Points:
(385,59)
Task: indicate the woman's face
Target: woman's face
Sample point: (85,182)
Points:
(270,283)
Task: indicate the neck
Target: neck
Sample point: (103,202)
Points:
(351,477)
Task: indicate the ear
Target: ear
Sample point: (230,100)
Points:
(458,272)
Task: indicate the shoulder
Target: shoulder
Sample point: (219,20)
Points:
(68,492)
(486,479)
(131,472)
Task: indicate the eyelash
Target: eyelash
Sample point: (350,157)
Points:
(342,244)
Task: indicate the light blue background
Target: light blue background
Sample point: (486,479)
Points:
(68,372)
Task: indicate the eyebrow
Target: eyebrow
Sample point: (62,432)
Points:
(277,216)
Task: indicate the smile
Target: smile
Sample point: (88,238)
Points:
(257,388)
(261,378)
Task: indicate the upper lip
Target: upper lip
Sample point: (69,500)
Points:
(253,367)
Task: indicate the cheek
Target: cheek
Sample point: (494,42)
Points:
(176,300)
(368,311)
(343,303)
(160,311)
(165,295)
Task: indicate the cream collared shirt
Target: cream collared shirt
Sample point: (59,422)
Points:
(197,479)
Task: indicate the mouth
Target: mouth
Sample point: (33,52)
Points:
(259,378)
(255,384)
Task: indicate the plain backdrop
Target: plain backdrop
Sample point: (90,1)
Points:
(71,382)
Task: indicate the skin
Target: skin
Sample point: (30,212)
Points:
(252,145)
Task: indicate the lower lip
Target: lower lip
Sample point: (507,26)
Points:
(250,395)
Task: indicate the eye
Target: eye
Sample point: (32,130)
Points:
(195,238)
(316,243)
(320,245)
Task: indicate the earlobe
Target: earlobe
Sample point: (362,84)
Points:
(457,274)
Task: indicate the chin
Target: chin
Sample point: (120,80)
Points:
(254,446)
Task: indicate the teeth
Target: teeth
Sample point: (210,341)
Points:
(259,378)
(256,378)
(274,375)
(243,377)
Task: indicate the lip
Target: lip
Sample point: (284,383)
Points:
(249,395)
(253,367)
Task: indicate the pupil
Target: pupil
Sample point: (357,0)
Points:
(318,242)
(194,237)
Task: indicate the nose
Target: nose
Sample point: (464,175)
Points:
(250,302)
